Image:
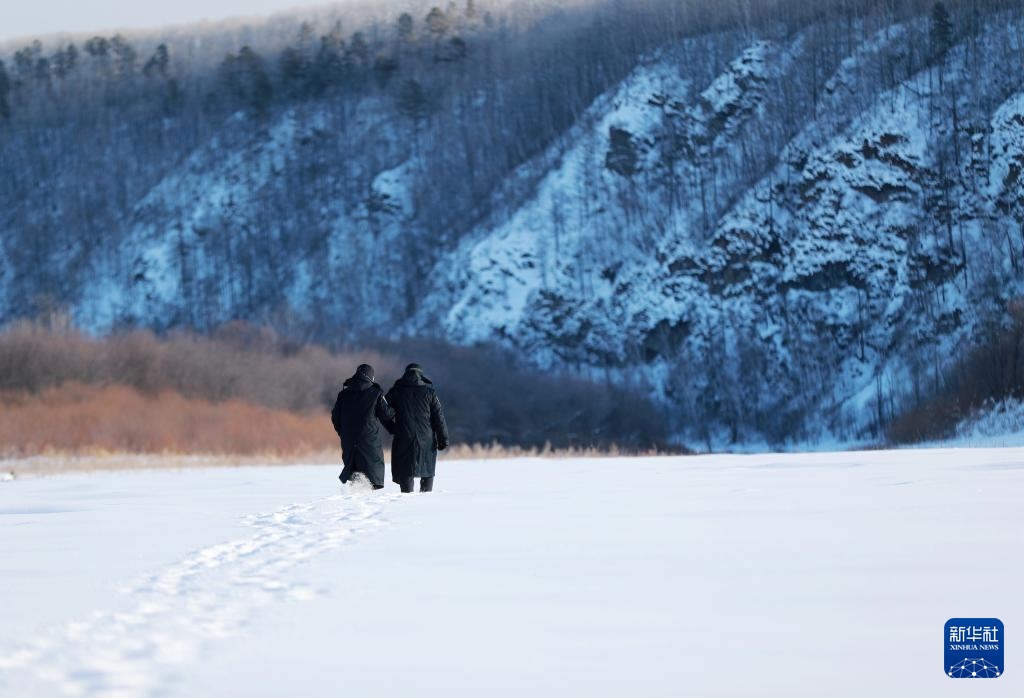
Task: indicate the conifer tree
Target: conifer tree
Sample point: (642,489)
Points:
(5,89)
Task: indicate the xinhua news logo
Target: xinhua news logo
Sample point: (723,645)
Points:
(974,648)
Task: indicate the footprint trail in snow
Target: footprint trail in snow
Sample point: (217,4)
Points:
(174,613)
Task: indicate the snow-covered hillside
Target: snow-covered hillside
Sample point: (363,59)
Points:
(785,231)
(811,300)
(199,256)
(767,575)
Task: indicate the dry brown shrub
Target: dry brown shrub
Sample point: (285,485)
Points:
(196,386)
(79,418)
(239,361)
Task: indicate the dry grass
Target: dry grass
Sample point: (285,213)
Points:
(497,451)
(97,460)
(56,462)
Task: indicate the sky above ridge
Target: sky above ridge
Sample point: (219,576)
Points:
(21,19)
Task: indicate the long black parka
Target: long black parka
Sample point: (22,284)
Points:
(419,427)
(359,408)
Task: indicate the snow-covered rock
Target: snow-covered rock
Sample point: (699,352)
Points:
(806,302)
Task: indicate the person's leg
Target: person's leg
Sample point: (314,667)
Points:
(426,484)
(407,484)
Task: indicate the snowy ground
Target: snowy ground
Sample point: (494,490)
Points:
(762,575)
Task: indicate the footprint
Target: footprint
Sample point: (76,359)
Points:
(173,614)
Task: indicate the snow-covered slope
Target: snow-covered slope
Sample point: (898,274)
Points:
(574,577)
(809,300)
(782,237)
(195,253)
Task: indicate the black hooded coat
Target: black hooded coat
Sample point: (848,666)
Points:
(419,427)
(357,415)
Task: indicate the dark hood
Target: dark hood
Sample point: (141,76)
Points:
(413,378)
(358,382)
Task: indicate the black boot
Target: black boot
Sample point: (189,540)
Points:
(426,484)
(407,484)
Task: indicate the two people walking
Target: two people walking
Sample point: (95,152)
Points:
(411,411)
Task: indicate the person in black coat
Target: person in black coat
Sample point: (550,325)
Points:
(419,428)
(359,408)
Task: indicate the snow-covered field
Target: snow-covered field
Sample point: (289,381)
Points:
(760,575)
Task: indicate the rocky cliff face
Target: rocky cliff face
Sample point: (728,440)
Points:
(811,300)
